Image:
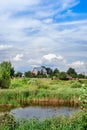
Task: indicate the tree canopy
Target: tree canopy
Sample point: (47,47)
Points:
(72,72)
(63,76)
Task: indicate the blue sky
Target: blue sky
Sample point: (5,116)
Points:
(44,32)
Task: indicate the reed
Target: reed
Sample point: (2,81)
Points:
(39,91)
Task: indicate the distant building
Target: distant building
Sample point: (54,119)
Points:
(83,73)
(41,70)
(69,77)
(35,71)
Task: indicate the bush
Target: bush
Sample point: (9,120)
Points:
(4,83)
(8,122)
(5,68)
(76,85)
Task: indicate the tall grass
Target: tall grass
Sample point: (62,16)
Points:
(25,89)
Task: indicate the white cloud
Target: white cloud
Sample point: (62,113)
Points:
(18,57)
(51,57)
(5,47)
(14,5)
(30,26)
(45,60)
(69,3)
(23,28)
(78,64)
(34,62)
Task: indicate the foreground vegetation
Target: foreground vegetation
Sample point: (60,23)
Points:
(26,89)
(75,122)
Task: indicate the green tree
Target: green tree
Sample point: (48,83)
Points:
(5,78)
(56,72)
(28,74)
(81,76)
(49,71)
(72,72)
(12,71)
(63,76)
(18,74)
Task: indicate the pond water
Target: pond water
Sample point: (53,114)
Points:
(43,112)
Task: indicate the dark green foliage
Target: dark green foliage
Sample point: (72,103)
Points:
(28,74)
(49,71)
(8,122)
(63,76)
(41,75)
(72,72)
(4,83)
(12,71)
(5,69)
(81,76)
(18,74)
(56,72)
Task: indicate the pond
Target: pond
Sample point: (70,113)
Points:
(43,112)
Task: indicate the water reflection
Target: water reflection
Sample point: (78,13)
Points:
(43,112)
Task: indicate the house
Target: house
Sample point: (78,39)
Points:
(41,70)
(35,71)
(69,77)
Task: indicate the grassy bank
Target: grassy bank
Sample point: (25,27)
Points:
(75,122)
(29,91)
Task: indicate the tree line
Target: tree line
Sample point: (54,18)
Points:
(7,72)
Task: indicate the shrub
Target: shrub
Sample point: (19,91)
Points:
(8,121)
(5,68)
(4,83)
(76,85)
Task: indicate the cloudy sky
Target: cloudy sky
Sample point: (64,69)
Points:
(44,32)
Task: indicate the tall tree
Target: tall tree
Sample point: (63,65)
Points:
(56,72)
(63,76)
(49,71)
(72,72)
(12,71)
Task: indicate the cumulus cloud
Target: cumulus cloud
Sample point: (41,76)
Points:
(51,57)
(18,57)
(5,47)
(46,60)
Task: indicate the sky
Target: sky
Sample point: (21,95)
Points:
(52,33)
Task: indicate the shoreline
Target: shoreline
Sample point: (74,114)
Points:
(41,102)
(51,102)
